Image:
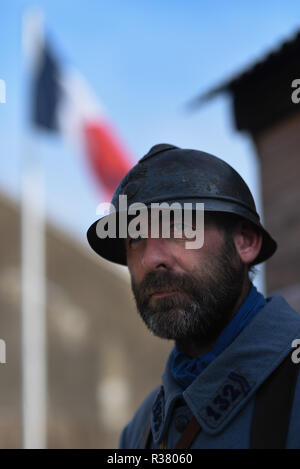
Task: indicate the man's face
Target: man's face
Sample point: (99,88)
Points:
(186,294)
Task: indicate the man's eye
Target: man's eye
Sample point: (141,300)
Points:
(180,230)
(177,229)
(134,240)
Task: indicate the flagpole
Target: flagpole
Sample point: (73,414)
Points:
(33,308)
(34,359)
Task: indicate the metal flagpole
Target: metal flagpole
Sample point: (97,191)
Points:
(33,309)
(34,370)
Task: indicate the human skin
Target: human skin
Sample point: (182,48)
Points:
(170,254)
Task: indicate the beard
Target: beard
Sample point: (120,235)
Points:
(202,304)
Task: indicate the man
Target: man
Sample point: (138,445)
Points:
(231,378)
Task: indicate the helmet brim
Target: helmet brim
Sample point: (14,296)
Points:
(114,249)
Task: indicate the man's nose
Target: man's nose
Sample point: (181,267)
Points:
(157,255)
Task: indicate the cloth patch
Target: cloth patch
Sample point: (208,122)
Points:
(158,413)
(232,391)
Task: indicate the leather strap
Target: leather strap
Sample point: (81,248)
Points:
(190,432)
(272,407)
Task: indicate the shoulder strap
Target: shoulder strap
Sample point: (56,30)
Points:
(272,407)
(191,431)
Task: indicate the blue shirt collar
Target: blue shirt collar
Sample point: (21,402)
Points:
(185,369)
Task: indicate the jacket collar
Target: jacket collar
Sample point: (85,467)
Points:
(227,384)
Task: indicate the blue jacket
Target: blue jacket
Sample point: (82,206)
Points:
(244,365)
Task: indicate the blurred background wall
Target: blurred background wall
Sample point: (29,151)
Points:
(101,360)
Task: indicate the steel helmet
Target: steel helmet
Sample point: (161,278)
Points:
(171,174)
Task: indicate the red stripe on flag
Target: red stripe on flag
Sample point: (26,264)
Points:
(107,156)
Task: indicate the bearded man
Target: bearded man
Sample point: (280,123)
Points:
(231,372)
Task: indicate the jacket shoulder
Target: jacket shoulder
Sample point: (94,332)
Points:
(134,431)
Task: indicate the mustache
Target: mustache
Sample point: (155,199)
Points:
(162,281)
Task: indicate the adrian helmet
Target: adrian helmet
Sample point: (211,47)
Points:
(171,174)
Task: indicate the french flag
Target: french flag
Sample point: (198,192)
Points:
(63,102)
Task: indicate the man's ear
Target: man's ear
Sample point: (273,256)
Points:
(248,241)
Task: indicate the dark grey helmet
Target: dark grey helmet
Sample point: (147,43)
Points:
(171,174)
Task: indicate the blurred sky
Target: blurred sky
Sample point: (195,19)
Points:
(144,60)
